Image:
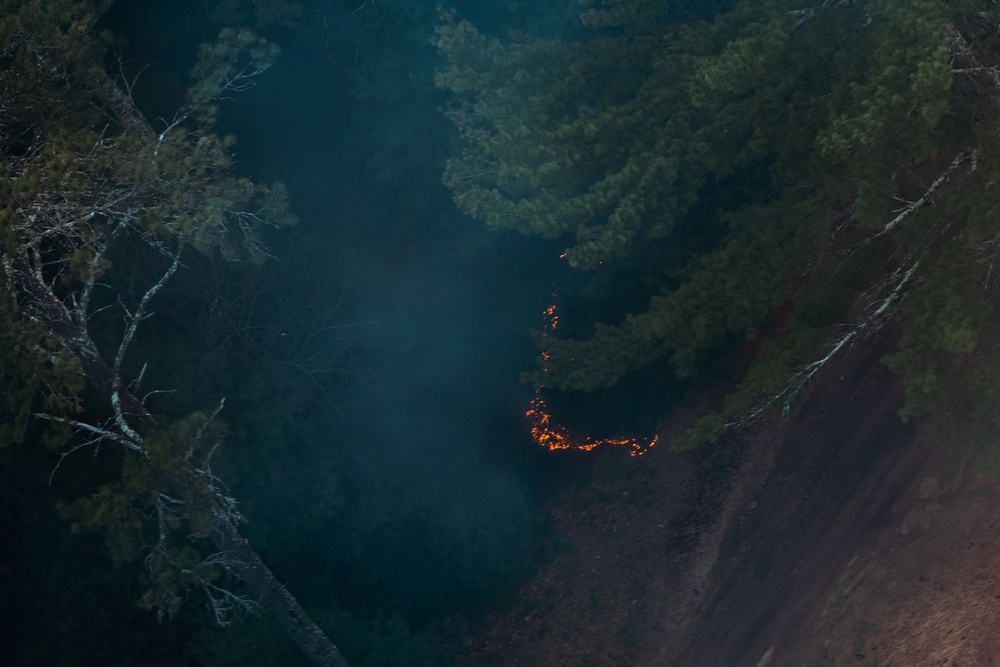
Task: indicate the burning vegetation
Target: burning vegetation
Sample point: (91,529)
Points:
(553,435)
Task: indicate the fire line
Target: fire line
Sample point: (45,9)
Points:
(554,436)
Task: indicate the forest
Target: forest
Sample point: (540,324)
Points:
(304,300)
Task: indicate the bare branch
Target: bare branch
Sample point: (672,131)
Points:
(874,320)
(224,603)
(870,323)
(926,197)
(83,302)
(140,311)
(102,433)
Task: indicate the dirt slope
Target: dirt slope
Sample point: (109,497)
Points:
(842,477)
(842,540)
(865,546)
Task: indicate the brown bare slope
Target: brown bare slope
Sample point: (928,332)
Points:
(842,464)
(843,539)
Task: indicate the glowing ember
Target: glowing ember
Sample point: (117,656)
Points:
(554,436)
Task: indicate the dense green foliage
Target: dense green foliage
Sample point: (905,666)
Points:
(748,157)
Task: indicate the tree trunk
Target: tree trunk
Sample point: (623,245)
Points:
(269,592)
(191,488)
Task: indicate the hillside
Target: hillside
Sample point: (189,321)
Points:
(844,538)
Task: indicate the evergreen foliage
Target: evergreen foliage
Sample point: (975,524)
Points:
(863,125)
(88,181)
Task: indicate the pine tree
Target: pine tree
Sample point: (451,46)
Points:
(794,136)
(85,181)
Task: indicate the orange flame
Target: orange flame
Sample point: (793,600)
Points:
(555,436)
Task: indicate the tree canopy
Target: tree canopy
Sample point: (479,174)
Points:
(778,166)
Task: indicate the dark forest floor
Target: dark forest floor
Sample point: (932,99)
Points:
(843,538)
